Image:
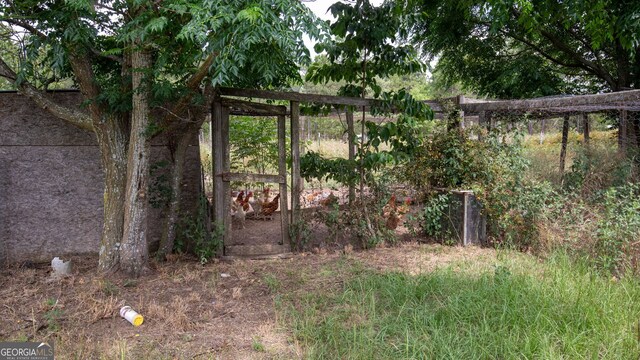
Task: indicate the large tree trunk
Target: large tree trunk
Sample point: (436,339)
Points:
(134,251)
(179,156)
(112,140)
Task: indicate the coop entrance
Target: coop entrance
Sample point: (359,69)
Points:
(262,237)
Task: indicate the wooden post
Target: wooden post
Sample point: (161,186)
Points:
(543,122)
(459,102)
(295,166)
(226,167)
(482,122)
(622,131)
(303,143)
(563,150)
(282,171)
(586,127)
(217,156)
(351,135)
(530,127)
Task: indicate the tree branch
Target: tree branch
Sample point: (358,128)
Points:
(30,28)
(192,86)
(72,116)
(83,72)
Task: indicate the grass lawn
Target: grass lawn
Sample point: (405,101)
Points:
(517,308)
(411,301)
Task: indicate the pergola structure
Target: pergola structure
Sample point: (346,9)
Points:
(227,103)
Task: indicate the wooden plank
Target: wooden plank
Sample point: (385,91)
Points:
(282,169)
(309,98)
(229,176)
(219,196)
(241,107)
(351,135)
(256,250)
(296,187)
(293,96)
(226,167)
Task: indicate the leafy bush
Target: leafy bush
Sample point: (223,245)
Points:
(494,169)
(192,235)
(618,232)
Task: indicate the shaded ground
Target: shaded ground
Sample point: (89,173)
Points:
(223,310)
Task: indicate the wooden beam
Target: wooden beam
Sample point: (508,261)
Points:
(229,176)
(308,98)
(558,103)
(296,186)
(241,107)
(294,96)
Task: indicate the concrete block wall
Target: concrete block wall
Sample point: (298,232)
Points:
(51,183)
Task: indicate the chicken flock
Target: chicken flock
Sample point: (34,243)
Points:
(243,206)
(249,206)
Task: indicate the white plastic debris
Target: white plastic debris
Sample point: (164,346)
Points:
(225,275)
(131,315)
(60,267)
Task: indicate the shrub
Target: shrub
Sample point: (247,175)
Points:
(617,247)
(494,169)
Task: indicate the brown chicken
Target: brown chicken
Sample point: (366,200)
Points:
(245,203)
(329,200)
(390,211)
(240,197)
(269,208)
(393,220)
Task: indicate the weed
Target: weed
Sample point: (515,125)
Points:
(272,283)
(192,234)
(53,315)
(108,288)
(257,345)
(130,283)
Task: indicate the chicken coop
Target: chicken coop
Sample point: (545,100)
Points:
(261,240)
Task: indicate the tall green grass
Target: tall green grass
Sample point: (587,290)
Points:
(521,309)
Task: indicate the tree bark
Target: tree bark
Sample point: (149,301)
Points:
(169,229)
(134,250)
(112,140)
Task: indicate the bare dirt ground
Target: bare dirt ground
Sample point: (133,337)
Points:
(222,310)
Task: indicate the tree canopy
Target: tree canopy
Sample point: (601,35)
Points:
(516,48)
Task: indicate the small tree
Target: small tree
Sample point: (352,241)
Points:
(366,45)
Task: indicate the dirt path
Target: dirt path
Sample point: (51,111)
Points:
(224,310)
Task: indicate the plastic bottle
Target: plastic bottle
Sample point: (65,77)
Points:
(133,317)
